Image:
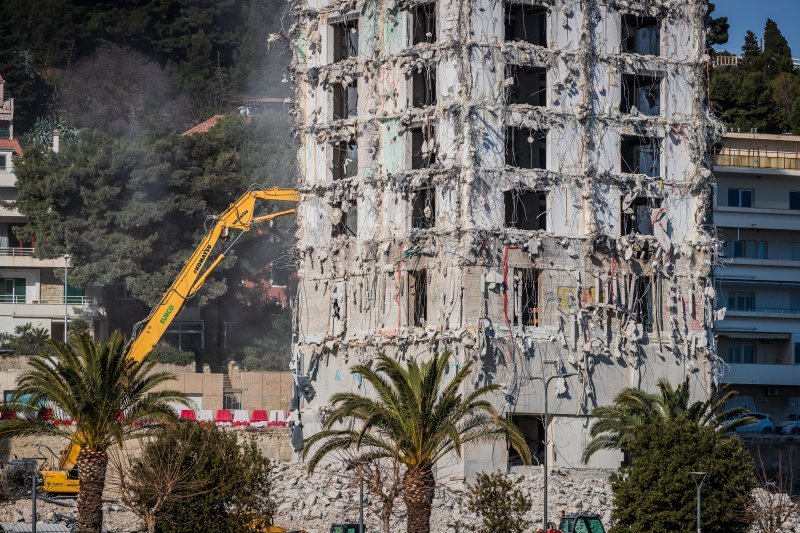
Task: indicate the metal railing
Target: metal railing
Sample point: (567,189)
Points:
(782,310)
(16,251)
(57,300)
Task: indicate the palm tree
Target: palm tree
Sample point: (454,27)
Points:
(415,418)
(633,409)
(110,397)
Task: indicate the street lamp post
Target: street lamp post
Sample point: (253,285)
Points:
(66,309)
(546,382)
(699,477)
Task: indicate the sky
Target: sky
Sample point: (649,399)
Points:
(746,15)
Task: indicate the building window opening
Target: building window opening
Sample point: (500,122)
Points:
(345,101)
(641,301)
(528,85)
(525,209)
(742,354)
(418,298)
(641,155)
(345,159)
(12,290)
(232,400)
(422,147)
(186,336)
(423,208)
(797,362)
(347,224)
(526,23)
(526,148)
(345,40)
(423,23)
(794,200)
(3,162)
(641,35)
(740,197)
(532,429)
(750,249)
(121,292)
(637,219)
(526,296)
(642,93)
(742,301)
(423,87)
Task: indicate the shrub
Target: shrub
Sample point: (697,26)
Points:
(206,479)
(656,493)
(164,353)
(501,506)
(26,340)
(266,354)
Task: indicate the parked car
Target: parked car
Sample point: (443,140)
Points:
(761,424)
(791,426)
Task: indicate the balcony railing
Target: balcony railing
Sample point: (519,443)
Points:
(780,310)
(7,251)
(58,300)
(727,157)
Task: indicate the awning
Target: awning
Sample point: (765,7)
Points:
(753,335)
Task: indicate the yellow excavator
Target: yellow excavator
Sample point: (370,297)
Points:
(239,216)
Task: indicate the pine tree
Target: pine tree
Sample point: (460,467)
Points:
(777,54)
(751,48)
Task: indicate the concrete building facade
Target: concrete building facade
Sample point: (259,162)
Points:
(757,213)
(30,291)
(521,183)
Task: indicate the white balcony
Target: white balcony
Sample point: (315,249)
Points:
(751,374)
(32,307)
(759,270)
(757,218)
(764,312)
(7,179)
(17,257)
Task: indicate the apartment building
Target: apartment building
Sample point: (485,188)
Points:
(30,290)
(518,183)
(757,213)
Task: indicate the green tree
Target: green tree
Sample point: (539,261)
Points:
(91,383)
(501,505)
(776,46)
(751,48)
(618,425)
(199,478)
(416,417)
(716,28)
(656,493)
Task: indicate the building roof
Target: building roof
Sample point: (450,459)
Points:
(11,144)
(762,136)
(203,127)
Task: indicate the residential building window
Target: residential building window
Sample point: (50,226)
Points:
(76,295)
(344,157)
(794,199)
(525,23)
(642,93)
(187,336)
(345,39)
(423,152)
(232,400)
(12,290)
(121,292)
(418,297)
(423,87)
(641,155)
(526,148)
(3,162)
(748,248)
(741,354)
(797,353)
(796,251)
(528,85)
(347,225)
(526,296)
(525,209)
(638,217)
(742,301)
(423,23)
(423,208)
(345,101)
(740,197)
(641,35)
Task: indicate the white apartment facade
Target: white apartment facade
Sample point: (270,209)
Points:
(757,213)
(520,183)
(30,290)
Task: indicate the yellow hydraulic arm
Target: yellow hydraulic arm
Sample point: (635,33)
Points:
(239,216)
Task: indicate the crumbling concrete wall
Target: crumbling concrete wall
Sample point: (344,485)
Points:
(617,255)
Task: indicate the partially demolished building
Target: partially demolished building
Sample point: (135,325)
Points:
(521,183)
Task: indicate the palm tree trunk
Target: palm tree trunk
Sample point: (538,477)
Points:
(418,490)
(92,466)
